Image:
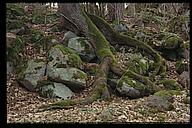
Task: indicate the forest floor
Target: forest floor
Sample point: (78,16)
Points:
(22,105)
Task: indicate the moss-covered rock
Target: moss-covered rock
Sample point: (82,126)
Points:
(83,48)
(61,56)
(134,86)
(73,78)
(51,89)
(159,104)
(14,24)
(31,74)
(167,93)
(169,84)
(181,66)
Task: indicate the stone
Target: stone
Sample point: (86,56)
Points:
(127,91)
(34,72)
(60,56)
(10,67)
(82,47)
(184,79)
(68,35)
(158,103)
(121,27)
(132,88)
(10,37)
(73,78)
(55,90)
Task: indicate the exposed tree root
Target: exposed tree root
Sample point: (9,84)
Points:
(101,32)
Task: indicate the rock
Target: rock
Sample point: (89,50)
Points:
(167,94)
(132,88)
(68,35)
(10,67)
(128,91)
(184,79)
(33,72)
(10,37)
(62,57)
(120,27)
(169,84)
(181,66)
(54,90)
(73,78)
(158,103)
(83,48)
(106,115)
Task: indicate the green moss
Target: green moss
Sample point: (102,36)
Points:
(165,93)
(113,36)
(64,103)
(169,84)
(181,66)
(80,75)
(141,83)
(171,41)
(14,24)
(102,45)
(74,59)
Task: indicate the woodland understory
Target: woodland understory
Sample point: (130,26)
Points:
(141,56)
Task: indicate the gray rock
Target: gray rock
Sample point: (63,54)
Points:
(61,56)
(120,28)
(159,103)
(73,78)
(184,79)
(33,73)
(55,90)
(83,48)
(128,91)
(10,68)
(68,35)
(10,37)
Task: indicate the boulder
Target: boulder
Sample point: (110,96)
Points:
(73,78)
(10,38)
(60,56)
(121,27)
(82,47)
(132,88)
(68,35)
(31,74)
(10,68)
(184,79)
(54,90)
(158,104)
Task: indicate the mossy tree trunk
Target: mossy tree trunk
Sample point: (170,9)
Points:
(100,35)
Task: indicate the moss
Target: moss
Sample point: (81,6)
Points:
(74,59)
(14,24)
(141,83)
(14,9)
(64,103)
(171,41)
(102,45)
(165,93)
(113,36)
(169,84)
(80,75)
(181,66)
